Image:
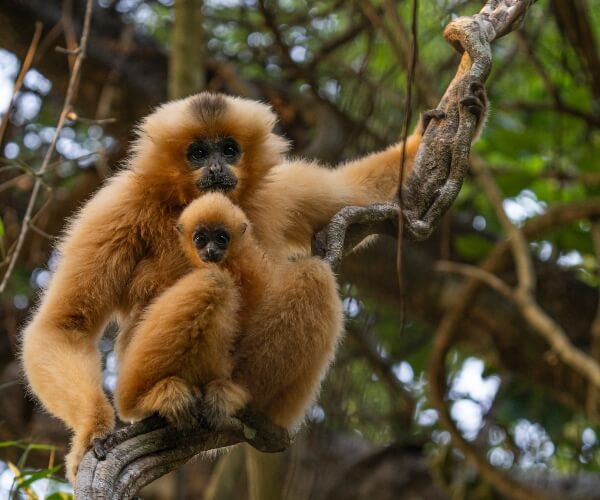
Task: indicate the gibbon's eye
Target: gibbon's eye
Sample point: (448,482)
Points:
(222,239)
(230,149)
(200,240)
(197,153)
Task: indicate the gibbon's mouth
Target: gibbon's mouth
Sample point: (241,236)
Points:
(224,184)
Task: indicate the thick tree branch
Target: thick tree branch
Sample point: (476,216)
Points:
(147,450)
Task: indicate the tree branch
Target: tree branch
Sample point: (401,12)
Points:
(144,451)
(442,159)
(66,109)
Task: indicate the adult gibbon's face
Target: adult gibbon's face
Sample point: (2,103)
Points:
(207,143)
(214,159)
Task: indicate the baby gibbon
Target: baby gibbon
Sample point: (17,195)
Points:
(182,348)
(118,253)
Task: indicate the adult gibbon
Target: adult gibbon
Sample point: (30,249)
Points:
(179,360)
(118,253)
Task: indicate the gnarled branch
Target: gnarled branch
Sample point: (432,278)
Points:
(144,451)
(443,156)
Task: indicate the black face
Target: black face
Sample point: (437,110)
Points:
(214,158)
(211,242)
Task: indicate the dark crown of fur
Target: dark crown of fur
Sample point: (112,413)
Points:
(208,107)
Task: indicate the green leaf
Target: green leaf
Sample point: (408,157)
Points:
(29,478)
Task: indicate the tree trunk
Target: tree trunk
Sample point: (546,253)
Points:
(187,58)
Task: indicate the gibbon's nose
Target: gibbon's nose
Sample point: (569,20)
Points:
(215,168)
(211,254)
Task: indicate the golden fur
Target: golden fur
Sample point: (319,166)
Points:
(119,252)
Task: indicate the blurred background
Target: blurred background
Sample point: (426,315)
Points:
(467,399)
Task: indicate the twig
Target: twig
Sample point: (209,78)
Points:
(383,367)
(71,91)
(436,376)
(20,78)
(477,273)
(410,76)
(520,250)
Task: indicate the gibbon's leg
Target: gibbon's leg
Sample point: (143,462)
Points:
(182,342)
(126,328)
(291,342)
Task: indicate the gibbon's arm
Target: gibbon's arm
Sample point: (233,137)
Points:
(182,342)
(309,195)
(59,346)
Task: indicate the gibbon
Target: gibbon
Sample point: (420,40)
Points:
(179,360)
(118,253)
(180,352)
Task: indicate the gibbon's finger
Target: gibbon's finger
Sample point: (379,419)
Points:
(474,105)
(429,115)
(478,90)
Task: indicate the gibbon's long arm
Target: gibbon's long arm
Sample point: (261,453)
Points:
(308,195)
(181,343)
(59,347)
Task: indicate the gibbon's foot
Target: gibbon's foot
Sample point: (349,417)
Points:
(182,414)
(100,448)
(476,103)
(173,399)
(222,399)
(79,447)
(100,424)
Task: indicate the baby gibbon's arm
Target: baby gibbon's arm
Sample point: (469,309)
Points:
(182,343)
(59,346)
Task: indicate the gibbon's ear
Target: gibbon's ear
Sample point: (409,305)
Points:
(179,228)
(243,227)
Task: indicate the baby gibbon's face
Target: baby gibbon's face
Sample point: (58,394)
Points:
(211,242)
(211,229)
